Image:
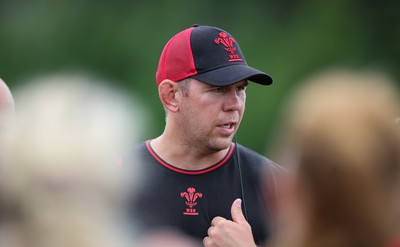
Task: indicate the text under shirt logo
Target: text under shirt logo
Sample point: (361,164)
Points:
(191,196)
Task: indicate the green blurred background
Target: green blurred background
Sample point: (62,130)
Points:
(121,41)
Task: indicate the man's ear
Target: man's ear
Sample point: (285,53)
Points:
(167,92)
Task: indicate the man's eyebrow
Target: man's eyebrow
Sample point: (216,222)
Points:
(244,83)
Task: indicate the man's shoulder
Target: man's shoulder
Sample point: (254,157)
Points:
(252,157)
(247,153)
(137,147)
(135,152)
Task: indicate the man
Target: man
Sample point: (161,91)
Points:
(196,178)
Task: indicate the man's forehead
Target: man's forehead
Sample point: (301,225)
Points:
(239,83)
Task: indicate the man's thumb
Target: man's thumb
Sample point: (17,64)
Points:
(236,211)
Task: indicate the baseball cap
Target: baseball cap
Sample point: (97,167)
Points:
(208,54)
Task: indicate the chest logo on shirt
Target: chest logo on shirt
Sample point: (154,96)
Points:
(191,196)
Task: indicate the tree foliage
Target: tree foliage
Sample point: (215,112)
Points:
(121,40)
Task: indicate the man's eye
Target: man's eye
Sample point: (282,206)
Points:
(219,89)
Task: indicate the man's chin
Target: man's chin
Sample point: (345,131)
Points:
(222,144)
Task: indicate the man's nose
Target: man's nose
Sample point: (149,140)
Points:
(233,101)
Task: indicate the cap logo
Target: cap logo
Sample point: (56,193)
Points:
(228,42)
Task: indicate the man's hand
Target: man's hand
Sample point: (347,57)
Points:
(226,233)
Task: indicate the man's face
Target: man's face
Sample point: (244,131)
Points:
(209,116)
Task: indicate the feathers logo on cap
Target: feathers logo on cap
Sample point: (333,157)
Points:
(228,42)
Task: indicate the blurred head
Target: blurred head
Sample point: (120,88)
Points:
(58,157)
(6,101)
(339,139)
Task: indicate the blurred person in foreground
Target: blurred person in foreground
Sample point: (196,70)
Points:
(341,147)
(59,182)
(6,101)
(6,111)
(197,180)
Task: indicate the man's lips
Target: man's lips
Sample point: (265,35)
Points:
(228,125)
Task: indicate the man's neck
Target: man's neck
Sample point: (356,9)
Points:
(183,156)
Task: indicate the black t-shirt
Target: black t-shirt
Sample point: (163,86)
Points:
(189,200)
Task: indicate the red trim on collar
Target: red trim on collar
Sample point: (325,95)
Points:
(189,172)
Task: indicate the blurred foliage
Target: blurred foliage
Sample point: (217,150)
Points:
(121,41)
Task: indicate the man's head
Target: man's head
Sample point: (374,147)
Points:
(6,100)
(201,77)
(208,54)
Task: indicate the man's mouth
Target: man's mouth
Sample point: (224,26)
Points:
(227,125)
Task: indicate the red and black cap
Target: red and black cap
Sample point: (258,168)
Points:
(208,54)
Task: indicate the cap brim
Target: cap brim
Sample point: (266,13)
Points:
(231,74)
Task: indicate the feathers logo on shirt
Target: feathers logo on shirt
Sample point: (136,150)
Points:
(191,196)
